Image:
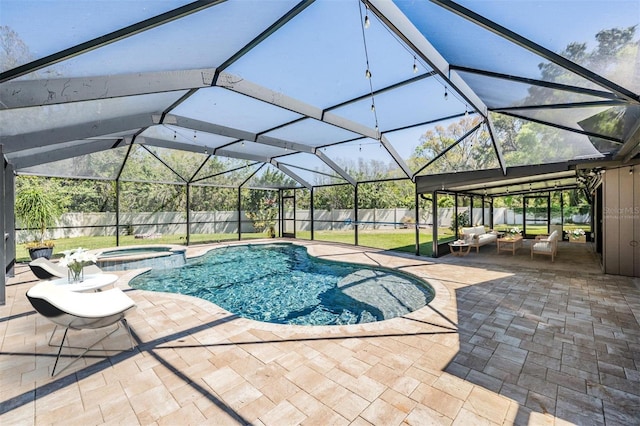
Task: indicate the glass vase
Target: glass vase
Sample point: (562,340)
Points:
(76,275)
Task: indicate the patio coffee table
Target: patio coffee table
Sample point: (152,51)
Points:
(511,244)
(460,249)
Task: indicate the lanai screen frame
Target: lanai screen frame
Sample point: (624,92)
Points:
(392,15)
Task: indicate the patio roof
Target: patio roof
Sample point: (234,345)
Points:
(317,91)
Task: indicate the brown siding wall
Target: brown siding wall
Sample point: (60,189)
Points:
(621,221)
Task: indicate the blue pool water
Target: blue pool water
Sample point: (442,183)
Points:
(281,283)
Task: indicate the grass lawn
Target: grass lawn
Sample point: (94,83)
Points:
(90,243)
(393,239)
(398,239)
(403,240)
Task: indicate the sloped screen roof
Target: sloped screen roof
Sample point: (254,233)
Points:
(300,94)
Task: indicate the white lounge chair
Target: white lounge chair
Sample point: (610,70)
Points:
(78,311)
(546,244)
(46,269)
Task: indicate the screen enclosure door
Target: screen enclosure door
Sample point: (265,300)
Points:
(537,216)
(289,216)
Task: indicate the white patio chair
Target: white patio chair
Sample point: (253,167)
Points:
(544,244)
(79,311)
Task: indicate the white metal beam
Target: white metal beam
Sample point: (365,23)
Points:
(48,154)
(291,174)
(203,126)
(329,162)
(239,85)
(73,132)
(398,22)
(396,157)
(496,147)
(632,145)
(29,93)
(251,137)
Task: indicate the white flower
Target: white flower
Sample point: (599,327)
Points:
(78,259)
(577,233)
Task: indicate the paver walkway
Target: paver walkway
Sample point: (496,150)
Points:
(504,342)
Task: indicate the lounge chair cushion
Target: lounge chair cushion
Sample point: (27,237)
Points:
(88,305)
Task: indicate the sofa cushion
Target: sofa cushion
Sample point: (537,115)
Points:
(542,246)
(478,230)
(467,231)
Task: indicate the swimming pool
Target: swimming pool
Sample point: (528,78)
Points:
(281,283)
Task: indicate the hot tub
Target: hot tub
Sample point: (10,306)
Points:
(154,256)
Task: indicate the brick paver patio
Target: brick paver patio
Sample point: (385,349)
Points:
(507,340)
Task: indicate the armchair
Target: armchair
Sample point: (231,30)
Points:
(546,244)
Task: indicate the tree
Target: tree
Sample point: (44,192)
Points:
(36,207)
(615,57)
(472,153)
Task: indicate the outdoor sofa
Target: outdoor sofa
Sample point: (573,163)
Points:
(477,236)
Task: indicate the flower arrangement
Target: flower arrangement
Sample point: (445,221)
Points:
(514,231)
(76,260)
(577,233)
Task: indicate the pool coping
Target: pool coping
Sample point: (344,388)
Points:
(172,248)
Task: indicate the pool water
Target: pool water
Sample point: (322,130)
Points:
(281,283)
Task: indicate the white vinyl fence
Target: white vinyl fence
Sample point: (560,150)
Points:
(226,222)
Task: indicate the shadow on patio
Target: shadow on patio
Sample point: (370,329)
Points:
(557,338)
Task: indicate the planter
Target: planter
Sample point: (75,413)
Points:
(37,252)
(580,240)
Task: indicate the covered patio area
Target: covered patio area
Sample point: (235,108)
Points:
(507,340)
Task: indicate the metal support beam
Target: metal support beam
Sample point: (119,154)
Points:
(245,87)
(291,174)
(47,154)
(434,226)
(328,161)
(106,39)
(266,33)
(188,211)
(403,28)
(31,93)
(91,129)
(239,213)
(203,126)
(312,213)
(417,230)
(534,82)
(631,147)
(10,218)
(428,183)
(4,209)
(396,157)
(117,212)
(537,49)
(496,147)
(355,206)
(444,151)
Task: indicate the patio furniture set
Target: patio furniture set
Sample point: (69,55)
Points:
(477,236)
